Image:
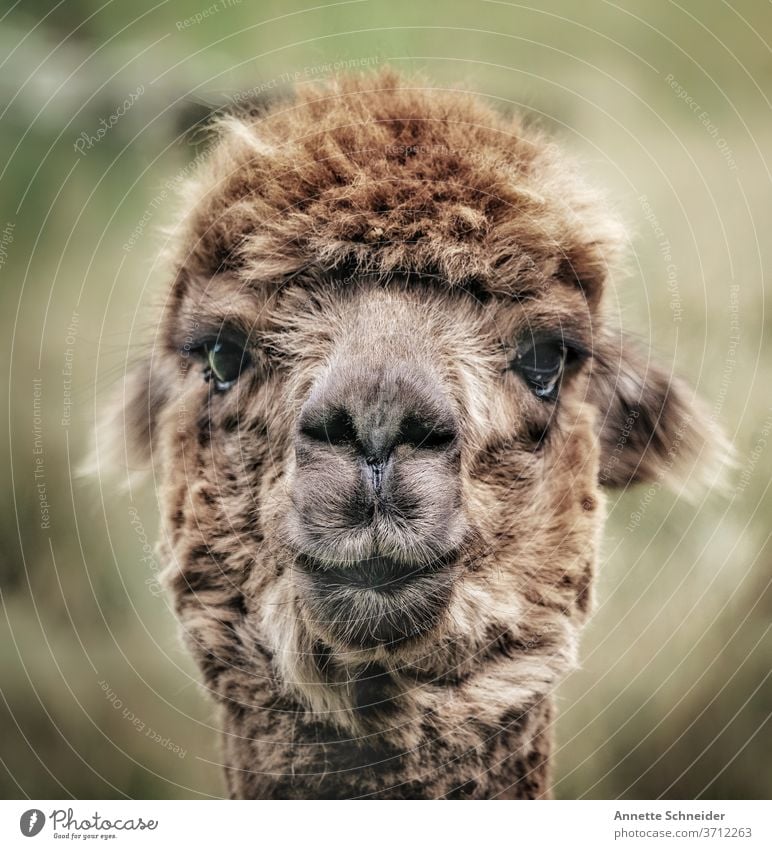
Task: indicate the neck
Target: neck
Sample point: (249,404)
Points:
(291,756)
(383,732)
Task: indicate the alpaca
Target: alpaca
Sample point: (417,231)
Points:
(384,405)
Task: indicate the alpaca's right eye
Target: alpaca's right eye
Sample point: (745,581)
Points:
(541,365)
(224,363)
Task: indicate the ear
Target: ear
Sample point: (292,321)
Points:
(123,434)
(651,427)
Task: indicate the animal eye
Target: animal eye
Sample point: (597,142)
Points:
(541,365)
(224,363)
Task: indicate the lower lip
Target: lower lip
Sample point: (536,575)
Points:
(378,602)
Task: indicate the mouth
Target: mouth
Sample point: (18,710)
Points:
(379,574)
(379,601)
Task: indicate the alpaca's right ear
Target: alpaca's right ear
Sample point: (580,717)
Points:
(123,435)
(651,427)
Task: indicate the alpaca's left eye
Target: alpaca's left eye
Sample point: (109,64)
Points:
(541,365)
(224,363)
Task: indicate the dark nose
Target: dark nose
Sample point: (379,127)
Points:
(372,414)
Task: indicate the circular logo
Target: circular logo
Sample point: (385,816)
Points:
(31,822)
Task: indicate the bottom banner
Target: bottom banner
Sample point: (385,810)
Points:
(338,825)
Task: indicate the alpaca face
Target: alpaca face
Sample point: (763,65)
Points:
(387,397)
(369,448)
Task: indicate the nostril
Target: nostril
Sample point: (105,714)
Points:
(426,434)
(333,427)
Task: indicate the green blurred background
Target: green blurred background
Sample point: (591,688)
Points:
(666,105)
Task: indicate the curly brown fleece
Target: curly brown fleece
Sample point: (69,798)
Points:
(381,218)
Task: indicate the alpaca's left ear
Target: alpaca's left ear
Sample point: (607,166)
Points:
(651,426)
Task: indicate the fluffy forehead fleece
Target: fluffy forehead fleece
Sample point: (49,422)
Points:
(384,175)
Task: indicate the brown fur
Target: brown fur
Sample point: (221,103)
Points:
(361,237)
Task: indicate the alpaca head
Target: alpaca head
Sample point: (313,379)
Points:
(386,397)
